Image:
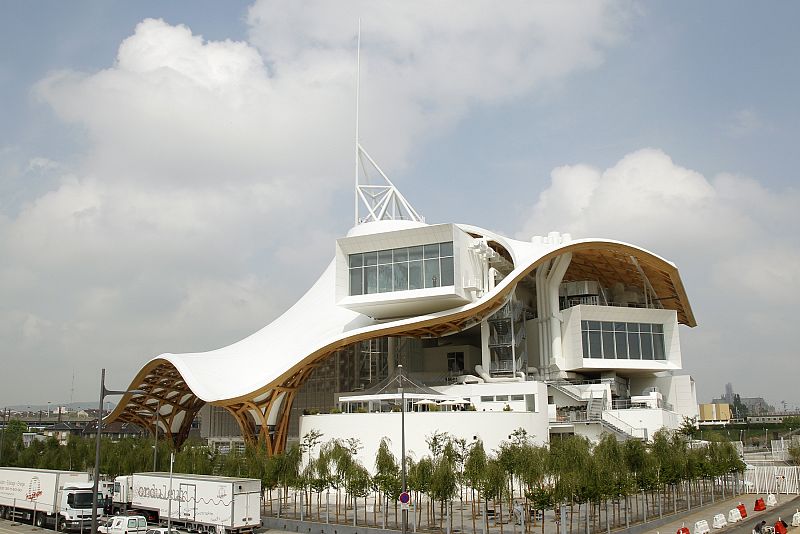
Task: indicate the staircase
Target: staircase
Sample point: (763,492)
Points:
(566,388)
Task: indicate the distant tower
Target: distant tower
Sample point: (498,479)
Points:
(729,393)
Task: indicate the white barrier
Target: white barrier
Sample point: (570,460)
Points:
(796,519)
(734,516)
(719,521)
(772,479)
(771,500)
(701,527)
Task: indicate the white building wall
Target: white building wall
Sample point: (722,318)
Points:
(491,427)
(650,419)
(678,390)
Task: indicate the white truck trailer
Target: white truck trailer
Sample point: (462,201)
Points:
(45,497)
(199,503)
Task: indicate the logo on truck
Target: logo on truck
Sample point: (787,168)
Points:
(34,489)
(155,492)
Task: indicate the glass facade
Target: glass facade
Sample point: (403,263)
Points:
(623,341)
(401,269)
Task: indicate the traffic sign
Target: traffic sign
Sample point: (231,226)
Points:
(404,498)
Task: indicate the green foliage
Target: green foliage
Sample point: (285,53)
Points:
(794,453)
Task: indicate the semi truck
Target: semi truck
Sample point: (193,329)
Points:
(45,497)
(200,503)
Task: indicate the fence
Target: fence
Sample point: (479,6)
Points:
(772,479)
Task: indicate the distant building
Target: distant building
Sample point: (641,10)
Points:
(753,405)
(715,413)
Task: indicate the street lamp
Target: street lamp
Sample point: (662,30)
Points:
(403,439)
(103,393)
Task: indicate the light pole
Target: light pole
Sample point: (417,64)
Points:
(95,484)
(169,494)
(403,439)
(3,436)
(155,436)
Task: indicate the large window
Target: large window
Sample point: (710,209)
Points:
(401,269)
(623,341)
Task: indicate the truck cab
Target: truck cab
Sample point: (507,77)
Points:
(75,504)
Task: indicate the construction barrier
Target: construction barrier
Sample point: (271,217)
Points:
(734,516)
(719,521)
(742,510)
(701,527)
(759,506)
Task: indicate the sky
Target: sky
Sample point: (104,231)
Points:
(173,175)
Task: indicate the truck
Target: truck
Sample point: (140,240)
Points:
(199,503)
(46,497)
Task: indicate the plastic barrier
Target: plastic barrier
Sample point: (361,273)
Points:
(734,516)
(796,519)
(683,530)
(760,506)
(701,527)
(780,526)
(771,500)
(742,510)
(719,521)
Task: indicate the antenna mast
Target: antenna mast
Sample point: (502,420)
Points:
(383,201)
(358,86)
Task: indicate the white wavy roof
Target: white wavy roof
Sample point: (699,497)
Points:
(314,322)
(316,326)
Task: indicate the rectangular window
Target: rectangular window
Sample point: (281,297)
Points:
(356,281)
(370,258)
(455,362)
(431,251)
(501,398)
(621,343)
(607,327)
(447,271)
(384,278)
(356,260)
(585,335)
(487,398)
(634,352)
(384,257)
(658,347)
(402,269)
(415,275)
(401,276)
(594,325)
(517,397)
(608,345)
(432,278)
(647,346)
(595,345)
(371,279)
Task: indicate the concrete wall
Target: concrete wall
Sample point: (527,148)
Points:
(490,427)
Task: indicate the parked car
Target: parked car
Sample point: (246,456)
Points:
(125,524)
(161,530)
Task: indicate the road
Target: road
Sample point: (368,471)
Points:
(784,510)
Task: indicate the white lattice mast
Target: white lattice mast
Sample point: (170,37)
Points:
(383,201)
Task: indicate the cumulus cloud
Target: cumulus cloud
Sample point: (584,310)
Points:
(733,239)
(170,232)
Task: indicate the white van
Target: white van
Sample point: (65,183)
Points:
(125,524)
